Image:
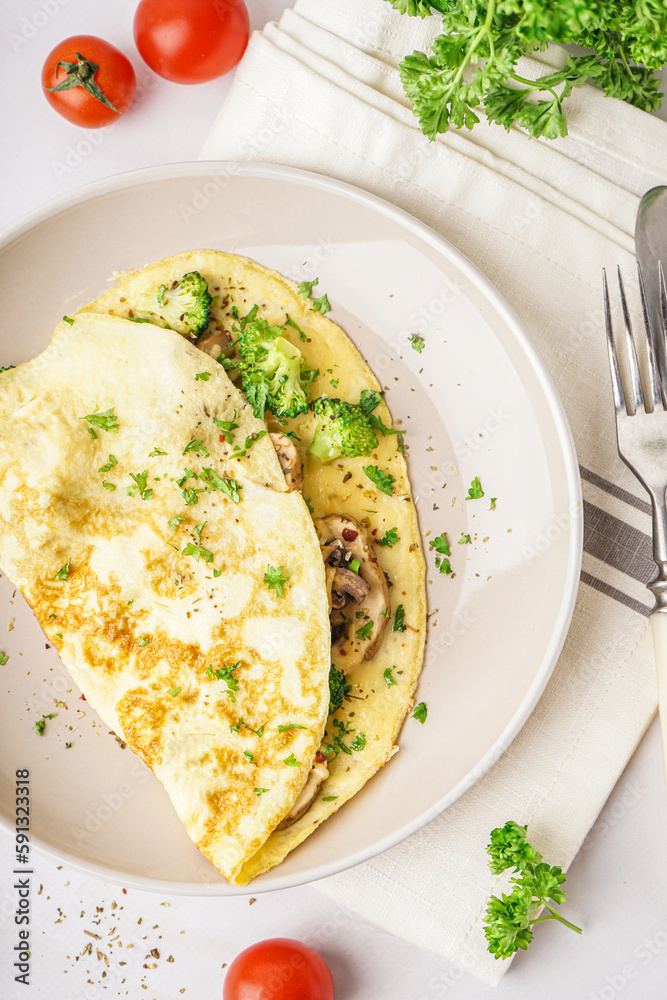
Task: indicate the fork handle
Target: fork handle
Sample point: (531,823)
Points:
(659,628)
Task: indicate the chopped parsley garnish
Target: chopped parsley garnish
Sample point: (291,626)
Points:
(275,579)
(217,573)
(475,491)
(249,757)
(390,537)
(441,546)
(145,640)
(3,659)
(249,442)
(389,677)
(417,342)
(63,572)
(291,761)
(226,674)
(329,798)
(399,619)
(68,746)
(139,488)
(290,725)
(338,745)
(197,446)
(291,434)
(311,509)
(237,726)
(109,465)
(202,376)
(359,742)
(334,383)
(226,426)
(41,723)
(365,631)
(227,486)
(354,565)
(493,503)
(68,319)
(94,435)
(138,319)
(109,486)
(290,322)
(173,691)
(106,420)
(383,481)
(196,549)
(174,521)
(465,540)
(420,713)
(187,474)
(382,427)
(154,453)
(338,688)
(190,496)
(369,399)
(260,791)
(318,305)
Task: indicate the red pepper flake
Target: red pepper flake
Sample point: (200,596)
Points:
(222,437)
(320,757)
(349,535)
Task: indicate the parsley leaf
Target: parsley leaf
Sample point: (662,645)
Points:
(260,791)
(174,521)
(290,322)
(417,342)
(320,305)
(441,546)
(68,319)
(493,503)
(109,486)
(291,761)
(420,713)
(365,631)
(475,491)
(249,757)
(3,659)
(202,376)
(383,480)
(275,579)
(173,691)
(390,537)
(508,921)
(369,399)
(139,489)
(290,725)
(145,641)
(399,619)
(226,426)
(154,453)
(305,289)
(226,674)
(329,798)
(109,465)
(389,677)
(465,540)
(63,572)
(227,486)
(105,421)
(40,725)
(196,549)
(249,442)
(198,447)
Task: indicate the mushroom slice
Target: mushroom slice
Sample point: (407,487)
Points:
(376,603)
(290,460)
(319,772)
(345,582)
(215,342)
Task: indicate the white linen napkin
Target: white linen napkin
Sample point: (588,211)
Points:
(321,91)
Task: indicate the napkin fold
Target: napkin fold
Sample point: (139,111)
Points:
(321,91)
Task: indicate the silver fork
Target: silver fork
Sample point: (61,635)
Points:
(642,444)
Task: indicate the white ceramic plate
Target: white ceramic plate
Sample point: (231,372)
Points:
(476,402)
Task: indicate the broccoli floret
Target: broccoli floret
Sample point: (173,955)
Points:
(185,306)
(275,375)
(338,688)
(344,429)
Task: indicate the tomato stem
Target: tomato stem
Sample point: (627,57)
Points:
(81,74)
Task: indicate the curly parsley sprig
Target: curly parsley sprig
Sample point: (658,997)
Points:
(473,61)
(508,921)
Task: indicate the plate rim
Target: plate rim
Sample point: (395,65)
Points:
(273,171)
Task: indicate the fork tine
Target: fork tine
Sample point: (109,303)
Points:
(616,384)
(632,353)
(656,381)
(663,304)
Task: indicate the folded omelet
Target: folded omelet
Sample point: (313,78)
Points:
(199,618)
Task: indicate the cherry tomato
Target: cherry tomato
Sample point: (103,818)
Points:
(191,41)
(278,969)
(95,67)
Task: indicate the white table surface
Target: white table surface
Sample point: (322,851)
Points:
(616,884)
